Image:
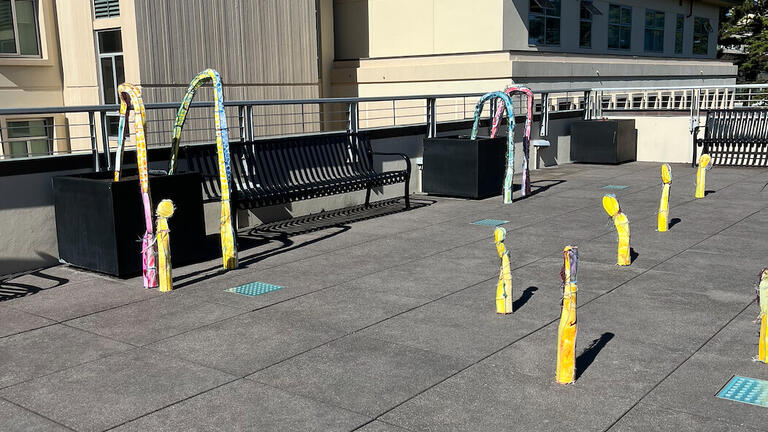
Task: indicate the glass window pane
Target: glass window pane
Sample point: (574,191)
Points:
(584,12)
(585,35)
(553,31)
(614,13)
(659,20)
(17,149)
(536,30)
(555,9)
(7,37)
(108,87)
(613,36)
(110,42)
(119,70)
(39,147)
(113,125)
(535,7)
(626,16)
(27,27)
(625,38)
(18,129)
(649,18)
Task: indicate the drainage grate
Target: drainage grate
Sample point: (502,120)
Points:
(747,390)
(490,222)
(254,288)
(615,187)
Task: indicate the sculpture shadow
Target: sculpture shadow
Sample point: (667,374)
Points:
(633,255)
(536,187)
(523,299)
(673,222)
(10,290)
(585,359)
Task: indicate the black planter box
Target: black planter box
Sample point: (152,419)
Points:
(464,168)
(100,222)
(604,141)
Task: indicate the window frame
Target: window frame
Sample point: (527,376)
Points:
(6,140)
(111,56)
(544,15)
(14,20)
(646,29)
(619,25)
(680,32)
(706,23)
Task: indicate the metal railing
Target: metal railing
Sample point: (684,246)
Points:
(91,129)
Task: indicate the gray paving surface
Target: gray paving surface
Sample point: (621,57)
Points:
(387,323)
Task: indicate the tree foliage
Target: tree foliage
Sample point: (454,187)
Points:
(745,27)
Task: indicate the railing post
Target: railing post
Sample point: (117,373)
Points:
(353,119)
(94,143)
(431,117)
(544,125)
(249,122)
(105,136)
(587,105)
(241,121)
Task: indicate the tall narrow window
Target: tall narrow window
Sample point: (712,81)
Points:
(544,22)
(619,27)
(585,25)
(18,28)
(29,137)
(106,8)
(701,31)
(111,72)
(679,31)
(654,31)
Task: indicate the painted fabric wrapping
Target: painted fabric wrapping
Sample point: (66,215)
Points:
(504,285)
(500,104)
(228,247)
(705,164)
(621,222)
(762,292)
(130,98)
(510,170)
(165,210)
(566,331)
(662,217)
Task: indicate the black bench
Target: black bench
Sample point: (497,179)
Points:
(279,171)
(734,137)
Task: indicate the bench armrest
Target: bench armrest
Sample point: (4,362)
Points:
(405,158)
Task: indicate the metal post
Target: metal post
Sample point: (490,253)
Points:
(394,115)
(303,129)
(353,118)
(249,122)
(587,105)
(94,143)
(241,121)
(431,117)
(544,125)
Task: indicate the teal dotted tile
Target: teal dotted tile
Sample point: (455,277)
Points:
(254,288)
(490,222)
(615,187)
(746,390)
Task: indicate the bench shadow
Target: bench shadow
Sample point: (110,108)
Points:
(585,359)
(523,299)
(10,290)
(673,222)
(335,222)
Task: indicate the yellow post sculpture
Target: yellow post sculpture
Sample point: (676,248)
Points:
(164,210)
(504,286)
(762,347)
(663,215)
(621,222)
(566,331)
(705,164)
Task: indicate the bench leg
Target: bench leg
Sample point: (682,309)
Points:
(368,196)
(407,195)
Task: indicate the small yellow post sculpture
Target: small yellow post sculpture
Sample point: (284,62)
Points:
(762,348)
(566,331)
(705,164)
(663,216)
(621,222)
(504,286)
(164,210)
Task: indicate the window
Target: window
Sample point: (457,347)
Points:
(619,27)
(111,72)
(106,8)
(18,28)
(679,30)
(585,26)
(654,30)
(28,137)
(544,22)
(701,30)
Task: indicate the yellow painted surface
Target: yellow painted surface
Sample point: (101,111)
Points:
(621,222)
(762,353)
(566,330)
(165,210)
(504,285)
(701,175)
(662,217)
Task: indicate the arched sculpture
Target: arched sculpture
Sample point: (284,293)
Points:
(525,190)
(510,171)
(228,247)
(130,98)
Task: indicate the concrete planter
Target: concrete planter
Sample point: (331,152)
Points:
(464,168)
(604,141)
(99,222)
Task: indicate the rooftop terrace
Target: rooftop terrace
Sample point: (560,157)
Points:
(386,321)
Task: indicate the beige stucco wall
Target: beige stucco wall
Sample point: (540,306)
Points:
(661,137)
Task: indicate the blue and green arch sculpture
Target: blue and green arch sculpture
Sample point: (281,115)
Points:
(510,170)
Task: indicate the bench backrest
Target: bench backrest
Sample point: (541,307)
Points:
(284,163)
(737,124)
